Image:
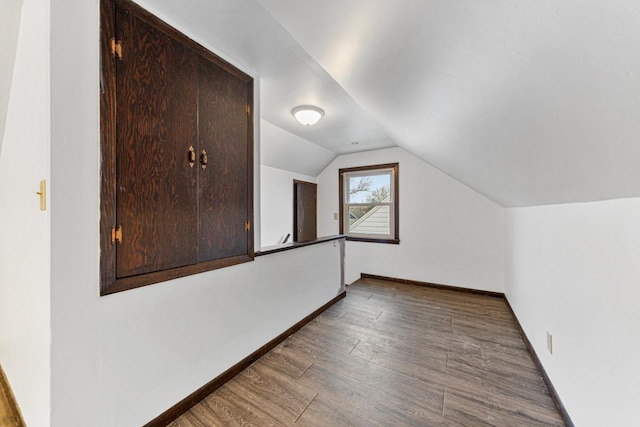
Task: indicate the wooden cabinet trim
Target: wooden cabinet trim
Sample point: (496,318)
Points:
(133,282)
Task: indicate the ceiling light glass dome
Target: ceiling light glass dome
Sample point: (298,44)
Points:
(307,114)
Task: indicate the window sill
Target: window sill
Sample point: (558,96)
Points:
(373,240)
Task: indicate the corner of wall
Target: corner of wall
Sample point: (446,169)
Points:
(572,271)
(25,250)
(449,233)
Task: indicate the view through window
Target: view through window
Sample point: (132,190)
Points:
(369,203)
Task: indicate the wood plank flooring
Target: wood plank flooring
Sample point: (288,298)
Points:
(390,354)
(9,416)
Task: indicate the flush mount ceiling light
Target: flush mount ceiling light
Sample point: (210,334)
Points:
(307,114)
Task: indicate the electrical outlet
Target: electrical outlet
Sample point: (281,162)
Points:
(549,342)
(335,216)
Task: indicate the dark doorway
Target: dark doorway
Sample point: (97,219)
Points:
(304,211)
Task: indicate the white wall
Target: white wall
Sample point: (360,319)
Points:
(24,229)
(122,359)
(449,234)
(9,27)
(574,270)
(276,210)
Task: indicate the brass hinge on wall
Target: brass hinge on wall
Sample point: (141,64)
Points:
(116,235)
(116,48)
(247,109)
(247,226)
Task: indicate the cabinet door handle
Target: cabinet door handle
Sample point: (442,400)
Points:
(204,159)
(192,156)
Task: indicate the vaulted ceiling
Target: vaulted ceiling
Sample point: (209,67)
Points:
(528,102)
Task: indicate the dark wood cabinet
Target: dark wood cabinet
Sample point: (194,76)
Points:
(177,152)
(222,192)
(156,193)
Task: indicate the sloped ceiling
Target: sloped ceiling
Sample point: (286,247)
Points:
(528,102)
(285,150)
(245,34)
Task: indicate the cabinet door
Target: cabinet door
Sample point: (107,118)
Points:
(156,193)
(223,185)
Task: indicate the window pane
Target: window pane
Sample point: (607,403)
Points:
(369,188)
(369,203)
(369,219)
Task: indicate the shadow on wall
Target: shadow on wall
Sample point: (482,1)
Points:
(9,29)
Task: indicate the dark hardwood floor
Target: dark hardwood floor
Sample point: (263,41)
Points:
(390,354)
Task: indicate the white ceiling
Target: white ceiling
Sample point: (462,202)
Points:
(285,150)
(528,102)
(245,34)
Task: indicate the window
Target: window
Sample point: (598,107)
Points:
(369,203)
